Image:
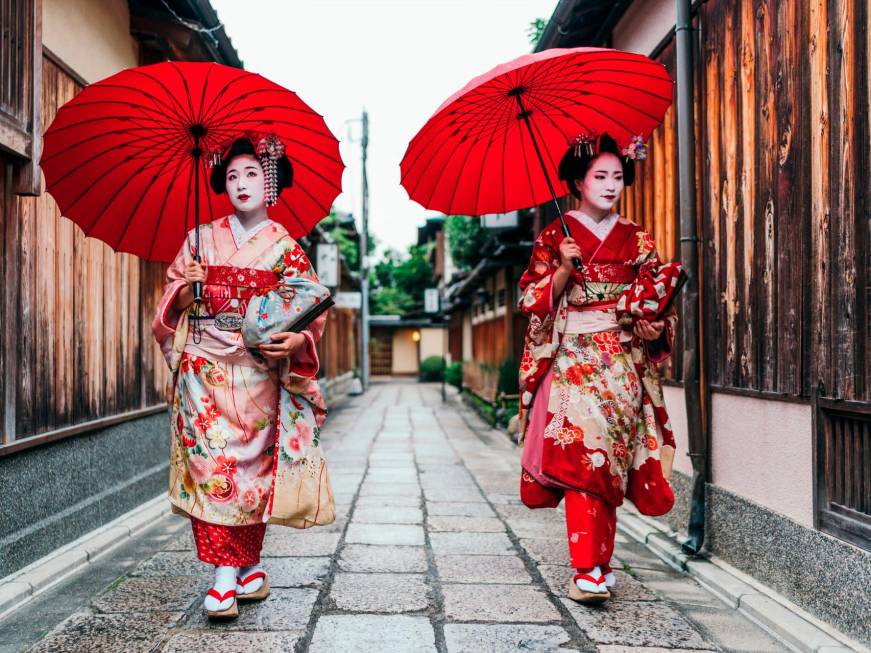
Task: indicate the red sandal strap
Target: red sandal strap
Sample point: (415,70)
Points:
(588,578)
(251,577)
(229,594)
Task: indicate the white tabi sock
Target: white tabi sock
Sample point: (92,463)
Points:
(225,588)
(253,584)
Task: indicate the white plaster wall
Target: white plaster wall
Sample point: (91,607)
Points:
(644,25)
(90,36)
(432,342)
(404,352)
(677,414)
(763,450)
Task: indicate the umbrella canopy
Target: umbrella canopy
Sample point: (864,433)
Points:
(479,153)
(125,159)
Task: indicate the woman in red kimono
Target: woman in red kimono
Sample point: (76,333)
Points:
(591,408)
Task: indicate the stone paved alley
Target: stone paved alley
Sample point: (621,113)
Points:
(432,551)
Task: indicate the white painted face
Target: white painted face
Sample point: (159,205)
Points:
(245,183)
(603,183)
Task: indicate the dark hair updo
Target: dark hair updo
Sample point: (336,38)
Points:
(243,146)
(572,167)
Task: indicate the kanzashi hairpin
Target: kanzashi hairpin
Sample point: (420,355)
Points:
(584,144)
(269,149)
(636,150)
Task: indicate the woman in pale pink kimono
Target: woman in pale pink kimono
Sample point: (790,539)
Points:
(591,408)
(227,402)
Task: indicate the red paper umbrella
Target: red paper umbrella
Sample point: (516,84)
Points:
(495,146)
(125,161)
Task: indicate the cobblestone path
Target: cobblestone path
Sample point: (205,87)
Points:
(432,551)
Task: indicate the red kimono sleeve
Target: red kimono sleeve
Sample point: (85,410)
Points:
(536,283)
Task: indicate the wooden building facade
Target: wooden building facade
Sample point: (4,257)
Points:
(782,138)
(82,382)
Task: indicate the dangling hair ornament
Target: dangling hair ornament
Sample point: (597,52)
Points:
(636,150)
(584,144)
(269,149)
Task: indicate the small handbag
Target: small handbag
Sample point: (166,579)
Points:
(652,293)
(291,307)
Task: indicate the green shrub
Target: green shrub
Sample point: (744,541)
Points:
(509,374)
(484,408)
(454,374)
(431,368)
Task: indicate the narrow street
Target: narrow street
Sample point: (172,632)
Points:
(432,551)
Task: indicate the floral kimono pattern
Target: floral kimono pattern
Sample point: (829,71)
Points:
(237,422)
(599,423)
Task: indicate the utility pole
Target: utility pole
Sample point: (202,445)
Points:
(364,264)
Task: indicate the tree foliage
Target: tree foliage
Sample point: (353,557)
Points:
(535,31)
(398,282)
(465,238)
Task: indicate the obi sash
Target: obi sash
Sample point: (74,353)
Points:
(229,289)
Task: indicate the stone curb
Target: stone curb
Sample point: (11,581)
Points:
(23,585)
(781,618)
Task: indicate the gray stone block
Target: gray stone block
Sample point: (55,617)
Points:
(549,551)
(385,534)
(284,610)
(389,515)
(501,569)
(458,509)
(380,592)
(471,544)
(209,642)
(511,603)
(135,595)
(373,634)
(642,623)
(109,633)
(505,638)
(453,524)
(297,572)
(372,558)
(287,542)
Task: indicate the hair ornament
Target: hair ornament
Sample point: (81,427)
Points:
(584,144)
(269,149)
(636,150)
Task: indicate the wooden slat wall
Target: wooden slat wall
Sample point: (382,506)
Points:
(82,327)
(786,136)
(653,199)
(337,349)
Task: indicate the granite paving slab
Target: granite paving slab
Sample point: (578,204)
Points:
(512,603)
(353,592)
(108,633)
(456,524)
(373,634)
(284,610)
(501,569)
(251,642)
(396,534)
(373,558)
(159,594)
(459,509)
(471,544)
(636,623)
(504,638)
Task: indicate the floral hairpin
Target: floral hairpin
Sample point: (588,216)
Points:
(584,144)
(636,150)
(270,149)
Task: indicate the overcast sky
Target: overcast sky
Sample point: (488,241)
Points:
(397,58)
